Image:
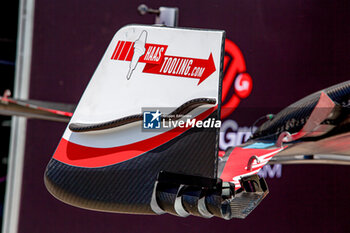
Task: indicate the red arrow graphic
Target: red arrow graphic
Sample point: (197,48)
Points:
(159,63)
(183,67)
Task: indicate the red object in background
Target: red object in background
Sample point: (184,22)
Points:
(235,77)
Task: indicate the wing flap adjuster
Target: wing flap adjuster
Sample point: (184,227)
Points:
(184,195)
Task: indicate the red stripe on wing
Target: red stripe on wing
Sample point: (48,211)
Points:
(83,156)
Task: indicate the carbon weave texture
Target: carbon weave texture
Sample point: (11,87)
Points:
(127,187)
(244,203)
(166,201)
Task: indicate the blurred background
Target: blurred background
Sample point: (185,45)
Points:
(8,40)
(290,49)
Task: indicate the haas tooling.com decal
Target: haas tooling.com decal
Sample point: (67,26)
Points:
(160,63)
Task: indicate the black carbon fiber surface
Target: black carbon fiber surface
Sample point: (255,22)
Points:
(166,201)
(190,201)
(293,118)
(214,202)
(244,203)
(127,186)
